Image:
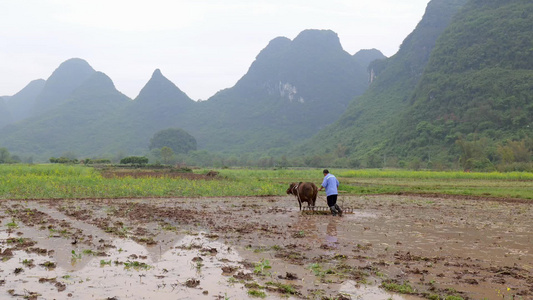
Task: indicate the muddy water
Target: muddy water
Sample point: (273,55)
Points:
(128,271)
(226,248)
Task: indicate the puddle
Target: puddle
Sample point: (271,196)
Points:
(357,291)
(191,269)
(163,249)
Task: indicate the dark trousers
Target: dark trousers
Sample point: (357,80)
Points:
(332,200)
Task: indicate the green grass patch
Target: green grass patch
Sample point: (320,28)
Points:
(454,298)
(257,293)
(55,181)
(72,181)
(404,288)
(136,265)
(284,288)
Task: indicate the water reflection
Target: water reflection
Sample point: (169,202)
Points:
(331,233)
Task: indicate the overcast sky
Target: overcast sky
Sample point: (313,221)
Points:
(202,46)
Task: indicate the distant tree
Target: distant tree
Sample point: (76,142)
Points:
(167,155)
(284,162)
(201,158)
(341,150)
(373,160)
(70,155)
(415,164)
(475,154)
(175,138)
(4,156)
(469,151)
(120,155)
(521,153)
(134,160)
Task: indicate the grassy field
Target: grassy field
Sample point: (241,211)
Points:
(72,181)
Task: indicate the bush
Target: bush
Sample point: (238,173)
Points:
(63,160)
(515,167)
(7,158)
(89,161)
(134,160)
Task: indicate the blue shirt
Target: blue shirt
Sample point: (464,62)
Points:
(330,183)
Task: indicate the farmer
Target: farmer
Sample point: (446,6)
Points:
(331,184)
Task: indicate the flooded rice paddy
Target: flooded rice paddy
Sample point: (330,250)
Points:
(391,247)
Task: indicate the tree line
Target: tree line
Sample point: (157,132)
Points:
(470,153)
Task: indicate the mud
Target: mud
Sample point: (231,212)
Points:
(391,247)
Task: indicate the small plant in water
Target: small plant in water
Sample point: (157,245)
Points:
(256,293)
(284,288)
(88,251)
(105,262)
(49,265)
(136,265)
(276,247)
(299,234)
(232,280)
(261,267)
(168,227)
(317,269)
(199,265)
(404,288)
(76,255)
(12,224)
(27,262)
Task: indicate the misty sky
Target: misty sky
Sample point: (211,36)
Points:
(202,46)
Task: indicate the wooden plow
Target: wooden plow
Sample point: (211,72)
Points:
(323,210)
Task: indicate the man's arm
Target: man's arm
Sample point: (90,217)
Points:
(324,184)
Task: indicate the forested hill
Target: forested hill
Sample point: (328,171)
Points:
(458,93)
(361,135)
(475,100)
(292,90)
(63,81)
(22,103)
(365,57)
(5,115)
(81,124)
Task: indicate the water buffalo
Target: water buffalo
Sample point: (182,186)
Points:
(304,192)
